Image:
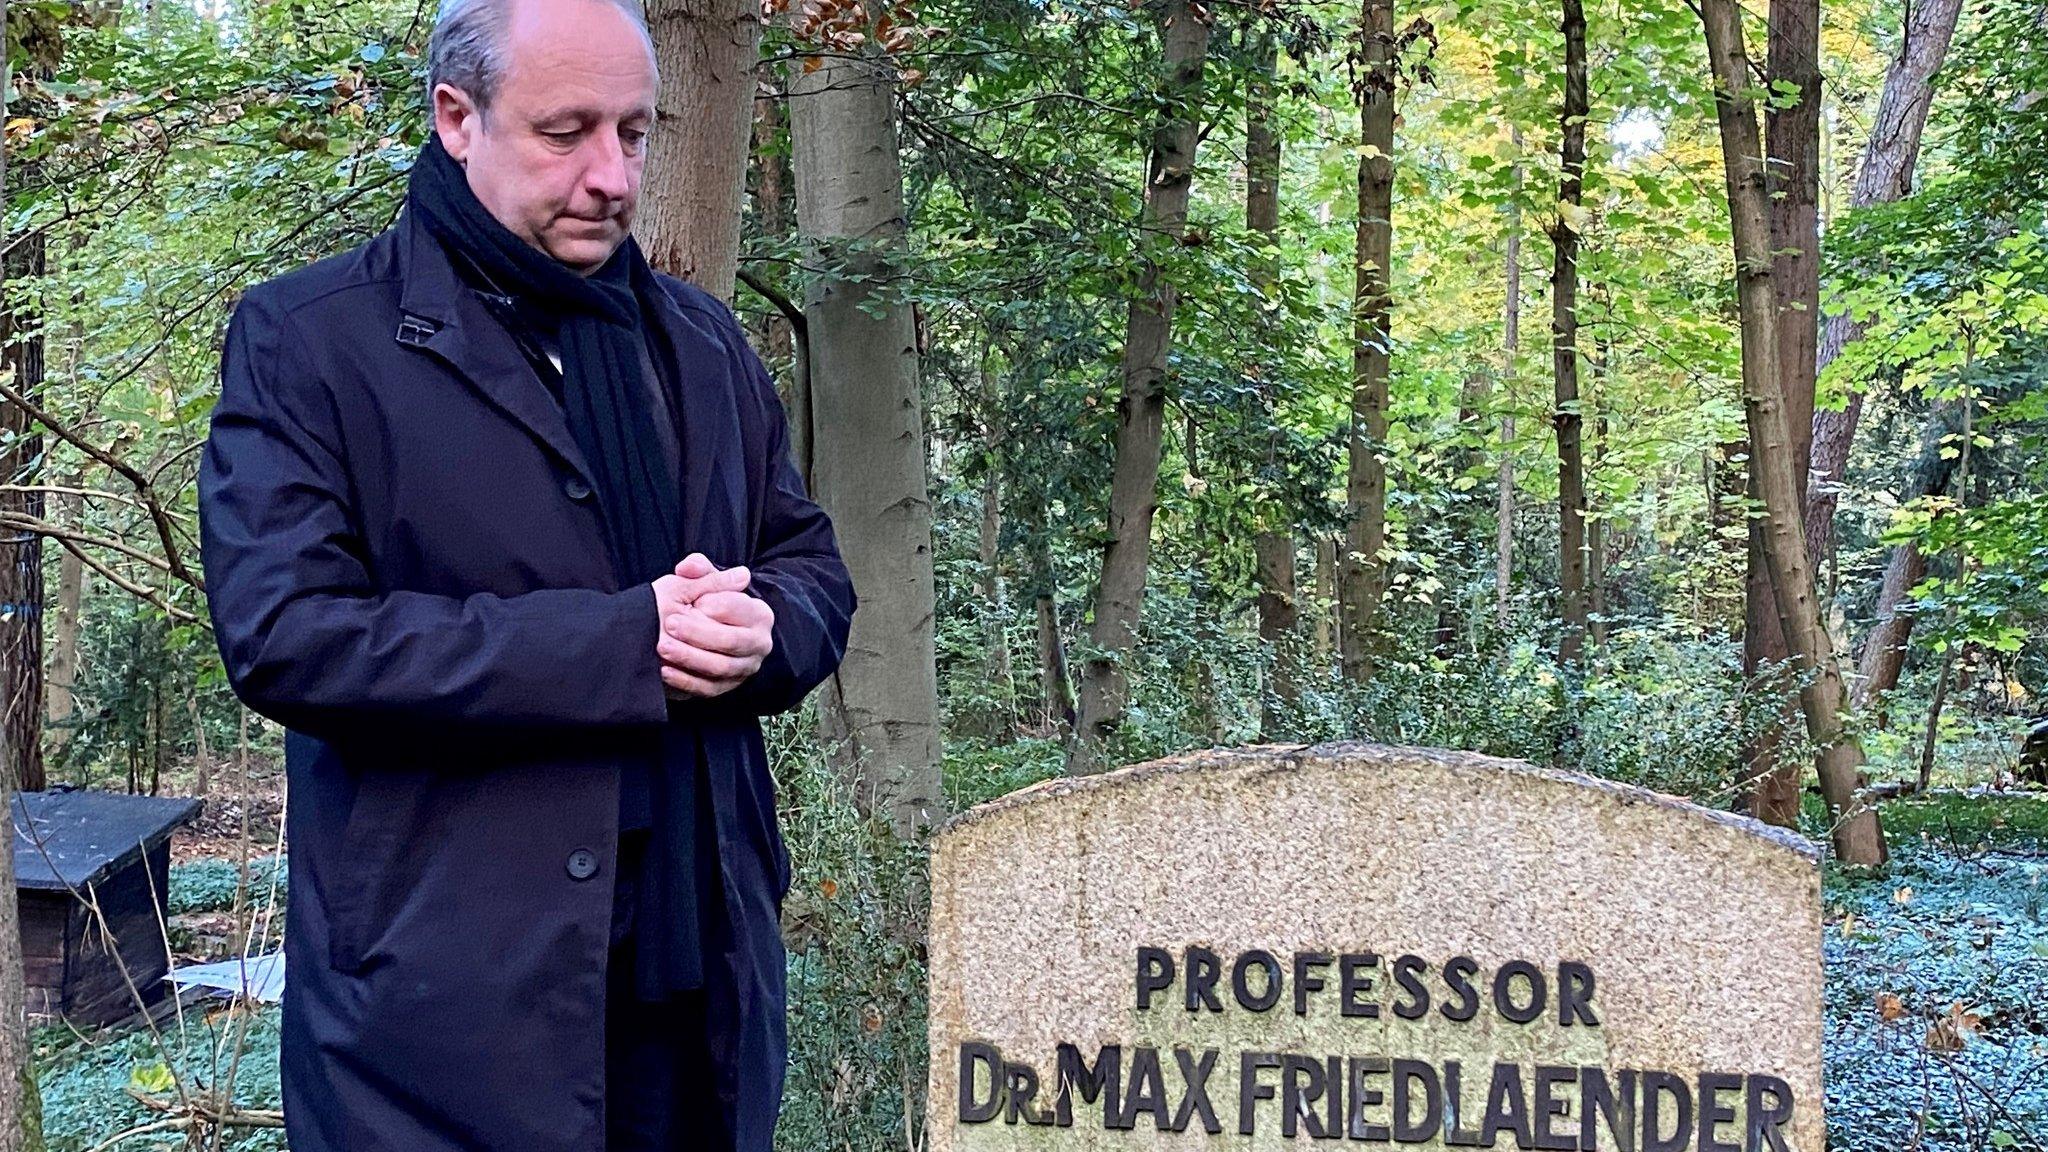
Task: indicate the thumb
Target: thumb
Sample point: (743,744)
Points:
(695,566)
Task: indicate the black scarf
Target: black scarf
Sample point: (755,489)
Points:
(598,321)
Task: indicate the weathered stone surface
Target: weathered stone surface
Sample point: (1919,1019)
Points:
(1700,931)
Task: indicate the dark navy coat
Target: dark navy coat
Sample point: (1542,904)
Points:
(406,568)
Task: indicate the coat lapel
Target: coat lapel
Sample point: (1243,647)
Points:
(711,441)
(441,316)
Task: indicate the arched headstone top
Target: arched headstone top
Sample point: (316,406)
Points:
(1259,759)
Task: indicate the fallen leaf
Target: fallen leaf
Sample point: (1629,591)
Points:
(1889,1007)
(1951,1032)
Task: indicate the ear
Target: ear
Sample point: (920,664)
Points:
(457,119)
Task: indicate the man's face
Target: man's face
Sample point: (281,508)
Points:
(557,157)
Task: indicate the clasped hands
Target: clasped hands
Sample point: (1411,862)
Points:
(713,635)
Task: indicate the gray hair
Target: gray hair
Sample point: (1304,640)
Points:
(467,49)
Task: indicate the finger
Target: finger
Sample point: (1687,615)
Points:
(695,566)
(700,630)
(694,685)
(710,665)
(732,579)
(737,609)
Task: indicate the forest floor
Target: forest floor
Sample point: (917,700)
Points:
(1936,1015)
(1936,1027)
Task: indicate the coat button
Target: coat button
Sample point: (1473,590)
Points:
(582,864)
(576,488)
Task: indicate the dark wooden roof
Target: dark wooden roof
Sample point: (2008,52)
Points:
(86,836)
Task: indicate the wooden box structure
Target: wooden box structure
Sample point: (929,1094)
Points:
(75,849)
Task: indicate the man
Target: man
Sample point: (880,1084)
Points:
(501,526)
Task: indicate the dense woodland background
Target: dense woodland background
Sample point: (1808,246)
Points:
(1656,389)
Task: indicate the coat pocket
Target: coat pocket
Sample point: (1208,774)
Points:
(358,875)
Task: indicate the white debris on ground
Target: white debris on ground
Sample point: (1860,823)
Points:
(260,978)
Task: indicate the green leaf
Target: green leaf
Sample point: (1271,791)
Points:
(152,1077)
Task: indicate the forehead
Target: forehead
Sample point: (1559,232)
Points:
(583,56)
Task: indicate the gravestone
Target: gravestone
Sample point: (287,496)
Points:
(1287,946)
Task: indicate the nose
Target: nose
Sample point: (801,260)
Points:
(608,175)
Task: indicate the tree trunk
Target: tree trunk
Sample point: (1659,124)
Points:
(787,349)
(1279,625)
(1597,607)
(1792,134)
(61,674)
(1468,519)
(771,190)
(1324,632)
(868,450)
(21,1110)
(1273,544)
(1141,409)
(1886,175)
(21,557)
(1566,418)
(1857,836)
(689,221)
(1056,697)
(994,602)
(1511,351)
(1962,567)
(1362,570)
(1884,650)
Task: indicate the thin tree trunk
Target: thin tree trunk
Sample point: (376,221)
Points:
(994,598)
(869,446)
(787,347)
(1055,695)
(1469,518)
(1925,776)
(1141,409)
(1962,561)
(1511,351)
(60,677)
(1279,624)
(771,191)
(61,674)
(1362,571)
(1597,607)
(1273,543)
(1792,134)
(1857,835)
(1566,417)
(689,219)
(1884,648)
(1886,175)
(991,578)
(1325,617)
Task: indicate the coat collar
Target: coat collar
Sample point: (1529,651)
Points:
(439,314)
